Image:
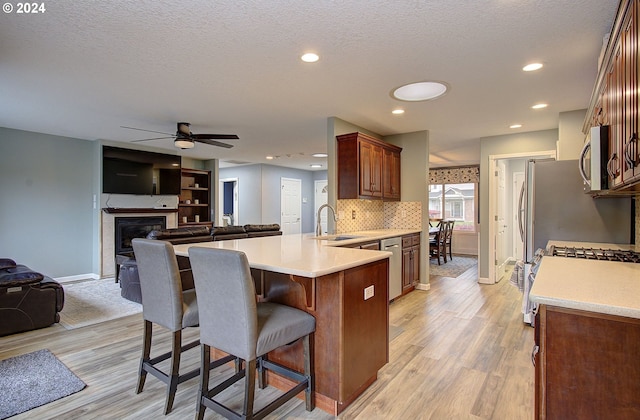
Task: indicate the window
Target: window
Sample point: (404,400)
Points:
(454,202)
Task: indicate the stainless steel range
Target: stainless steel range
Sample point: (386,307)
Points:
(604,254)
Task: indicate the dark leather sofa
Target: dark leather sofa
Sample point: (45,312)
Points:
(128,269)
(28,300)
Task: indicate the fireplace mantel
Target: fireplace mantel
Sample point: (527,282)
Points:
(117,210)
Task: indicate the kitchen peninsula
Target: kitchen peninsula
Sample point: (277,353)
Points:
(345,289)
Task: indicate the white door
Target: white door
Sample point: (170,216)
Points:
(290,205)
(320,198)
(501,257)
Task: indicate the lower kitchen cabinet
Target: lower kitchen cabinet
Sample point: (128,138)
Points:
(587,365)
(410,262)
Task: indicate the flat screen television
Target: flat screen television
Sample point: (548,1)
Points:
(127,171)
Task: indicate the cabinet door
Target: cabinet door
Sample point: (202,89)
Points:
(415,265)
(370,170)
(615,116)
(407,268)
(391,174)
(629,95)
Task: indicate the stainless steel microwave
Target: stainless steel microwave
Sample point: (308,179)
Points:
(593,160)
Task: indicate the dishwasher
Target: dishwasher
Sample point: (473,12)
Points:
(394,245)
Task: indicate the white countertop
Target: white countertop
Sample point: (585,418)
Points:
(297,254)
(365,236)
(606,287)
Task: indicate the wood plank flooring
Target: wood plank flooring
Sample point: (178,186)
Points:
(462,353)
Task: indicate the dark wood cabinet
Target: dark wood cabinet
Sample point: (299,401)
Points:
(410,262)
(194,202)
(368,168)
(615,100)
(391,174)
(587,365)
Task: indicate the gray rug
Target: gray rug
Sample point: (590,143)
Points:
(90,302)
(453,267)
(32,380)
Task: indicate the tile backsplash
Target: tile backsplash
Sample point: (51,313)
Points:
(356,215)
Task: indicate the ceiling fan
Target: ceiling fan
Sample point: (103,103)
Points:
(185,139)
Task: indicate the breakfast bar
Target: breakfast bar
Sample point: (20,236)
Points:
(345,289)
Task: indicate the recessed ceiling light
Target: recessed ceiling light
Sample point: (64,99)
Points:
(269,157)
(539,106)
(316,165)
(320,155)
(397,111)
(310,57)
(515,126)
(532,67)
(421,91)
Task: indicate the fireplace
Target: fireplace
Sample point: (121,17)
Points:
(128,228)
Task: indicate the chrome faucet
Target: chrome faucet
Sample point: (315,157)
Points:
(318,226)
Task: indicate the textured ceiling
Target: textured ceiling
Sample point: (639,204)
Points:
(83,69)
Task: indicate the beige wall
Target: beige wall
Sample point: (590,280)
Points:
(570,135)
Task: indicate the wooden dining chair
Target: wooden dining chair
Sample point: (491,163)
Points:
(436,244)
(448,239)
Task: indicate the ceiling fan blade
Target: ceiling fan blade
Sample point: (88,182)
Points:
(214,136)
(149,131)
(155,138)
(213,143)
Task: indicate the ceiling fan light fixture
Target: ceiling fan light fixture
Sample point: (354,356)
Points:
(184,143)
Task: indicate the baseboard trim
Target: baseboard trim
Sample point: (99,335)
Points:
(423,286)
(484,280)
(69,279)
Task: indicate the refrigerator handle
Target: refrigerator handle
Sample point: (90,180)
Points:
(583,154)
(521,212)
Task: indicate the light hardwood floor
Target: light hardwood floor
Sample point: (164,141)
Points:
(462,353)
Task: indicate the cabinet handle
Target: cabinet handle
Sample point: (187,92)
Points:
(609,168)
(534,352)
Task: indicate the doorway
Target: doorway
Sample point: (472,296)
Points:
(290,205)
(228,199)
(320,198)
(505,242)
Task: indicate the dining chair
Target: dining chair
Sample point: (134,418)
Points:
(233,322)
(436,243)
(448,239)
(166,304)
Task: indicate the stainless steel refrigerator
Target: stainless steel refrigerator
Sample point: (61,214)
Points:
(555,207)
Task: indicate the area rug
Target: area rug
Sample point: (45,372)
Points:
(90,302)
(453,267)
(32,380)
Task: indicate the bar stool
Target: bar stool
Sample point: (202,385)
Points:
(232,321)
(166,304)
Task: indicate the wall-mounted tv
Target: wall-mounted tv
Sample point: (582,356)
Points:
(128,171)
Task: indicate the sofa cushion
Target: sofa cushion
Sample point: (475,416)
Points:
(262,228)
(7,263)
(24,278)
(227,230)
(183,235)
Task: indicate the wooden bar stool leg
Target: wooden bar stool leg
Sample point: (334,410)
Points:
(309,395)
(146,352)
(172,386)
(249,388)
(205,357)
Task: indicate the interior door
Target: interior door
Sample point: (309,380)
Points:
(501,238)
(290,205)
(320,198)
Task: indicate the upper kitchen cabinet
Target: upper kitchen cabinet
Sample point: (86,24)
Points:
(367,168)
(615,98)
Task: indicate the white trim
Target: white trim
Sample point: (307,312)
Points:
(423,286)
(236,207)
(69,279)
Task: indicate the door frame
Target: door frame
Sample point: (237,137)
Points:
(491,279)
(236,206)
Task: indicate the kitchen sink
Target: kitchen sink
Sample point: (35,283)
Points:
(337,237)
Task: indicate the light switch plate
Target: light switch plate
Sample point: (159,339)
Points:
(368,292)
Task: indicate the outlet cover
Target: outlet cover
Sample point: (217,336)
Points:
(368,292)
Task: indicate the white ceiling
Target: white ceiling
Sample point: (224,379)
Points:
(84,69)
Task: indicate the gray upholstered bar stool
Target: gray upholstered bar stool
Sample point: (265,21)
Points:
(232,321)
(166,304)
